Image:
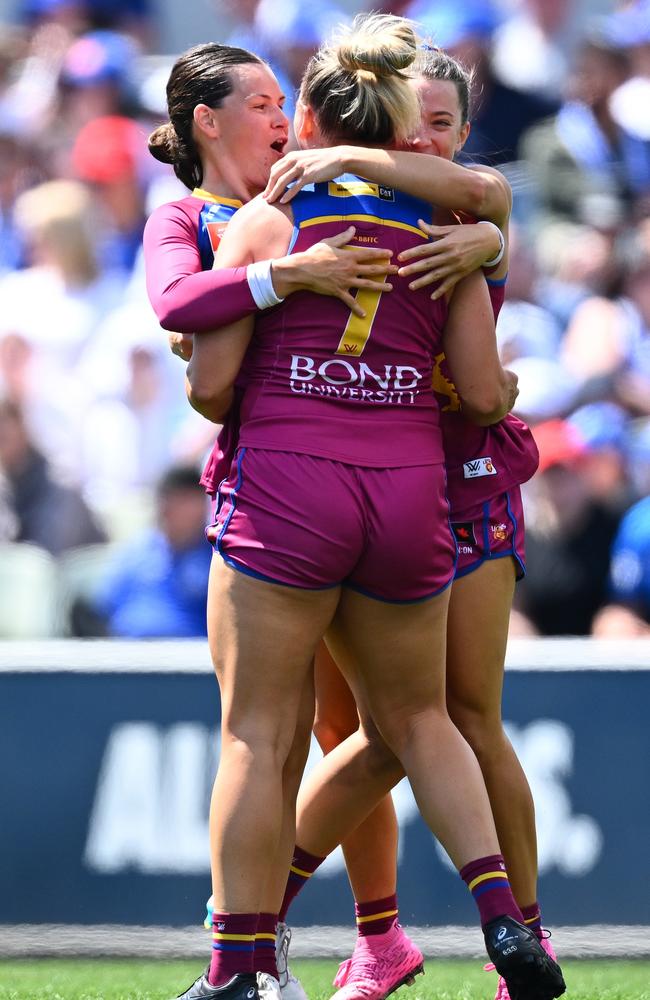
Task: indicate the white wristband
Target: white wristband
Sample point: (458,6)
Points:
(260,283)
(502,244)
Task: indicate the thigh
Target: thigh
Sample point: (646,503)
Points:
(262,639)
(336,709)
(410,551)
(289,519)
(394,653)
(477,633)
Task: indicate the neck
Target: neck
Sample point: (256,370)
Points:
(226,182)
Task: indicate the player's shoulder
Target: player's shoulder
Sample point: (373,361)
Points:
(258,217)
(182,211)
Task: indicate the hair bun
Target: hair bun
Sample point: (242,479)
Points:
(164,143)
(378,43)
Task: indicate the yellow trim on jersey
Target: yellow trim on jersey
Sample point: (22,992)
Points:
(377,916)
(299,871)
(531,920)
(215,198)
(265,937)
(218,936)
(320,219)
(483,878)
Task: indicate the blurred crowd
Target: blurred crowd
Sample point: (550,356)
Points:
(101,515)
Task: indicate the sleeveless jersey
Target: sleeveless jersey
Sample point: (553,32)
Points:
(481,462)
(322,382)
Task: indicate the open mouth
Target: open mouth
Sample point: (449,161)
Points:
(279,145)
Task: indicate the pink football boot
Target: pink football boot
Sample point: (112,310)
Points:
(379,965)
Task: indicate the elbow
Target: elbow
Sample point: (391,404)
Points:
(210,400)
(486,405)
(479,193)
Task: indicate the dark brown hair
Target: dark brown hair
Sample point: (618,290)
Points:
(436,64)
(202,75)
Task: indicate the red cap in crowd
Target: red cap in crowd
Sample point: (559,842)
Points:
(106,149)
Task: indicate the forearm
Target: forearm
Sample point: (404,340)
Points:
(480,193)
(196,303)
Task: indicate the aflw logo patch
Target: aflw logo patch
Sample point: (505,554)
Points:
(479,467)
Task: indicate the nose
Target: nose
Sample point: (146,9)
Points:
(281,120)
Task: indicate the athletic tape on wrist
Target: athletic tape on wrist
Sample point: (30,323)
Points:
(260,283)
(502,244)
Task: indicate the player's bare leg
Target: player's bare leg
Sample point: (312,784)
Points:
(370,850)
(262,639)
(475,659)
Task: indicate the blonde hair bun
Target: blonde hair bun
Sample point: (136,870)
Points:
(377,43)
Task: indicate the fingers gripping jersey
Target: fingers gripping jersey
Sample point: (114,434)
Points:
(321,381)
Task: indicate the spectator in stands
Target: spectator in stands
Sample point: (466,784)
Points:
(56,303)
(107,155)
(583,151)
(157,587)
(532,46)
(48,513)
(628,614)
(568,539)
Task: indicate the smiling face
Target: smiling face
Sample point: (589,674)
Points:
(246,135)
(441,131)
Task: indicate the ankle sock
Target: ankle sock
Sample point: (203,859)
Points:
(533,918)
(376,917)
(303,866)
(233,945)
(487,880)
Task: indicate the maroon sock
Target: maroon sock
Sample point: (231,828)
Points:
(303,866)
(487,880)
(376,917)
(264,958)
(233,945)
(533,918)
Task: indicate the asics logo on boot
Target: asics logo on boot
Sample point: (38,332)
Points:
(251,993)
(502,933)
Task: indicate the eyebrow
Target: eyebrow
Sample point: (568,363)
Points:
(267,96)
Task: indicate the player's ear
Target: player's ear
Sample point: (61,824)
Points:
(463,136)
(304,125)
(206,121)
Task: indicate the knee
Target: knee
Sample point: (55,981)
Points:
(379,758)
(402,729)
(257,743)
(481,728)
(330,732)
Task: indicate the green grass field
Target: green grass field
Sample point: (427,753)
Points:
(70,979)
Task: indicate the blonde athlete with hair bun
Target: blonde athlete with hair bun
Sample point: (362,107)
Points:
(334,517)
(487,520)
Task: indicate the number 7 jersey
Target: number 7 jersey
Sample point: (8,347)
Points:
(321,381)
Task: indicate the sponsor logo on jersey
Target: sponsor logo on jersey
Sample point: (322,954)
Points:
(479,467)
(337,377)
(350,189)
(464,535)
